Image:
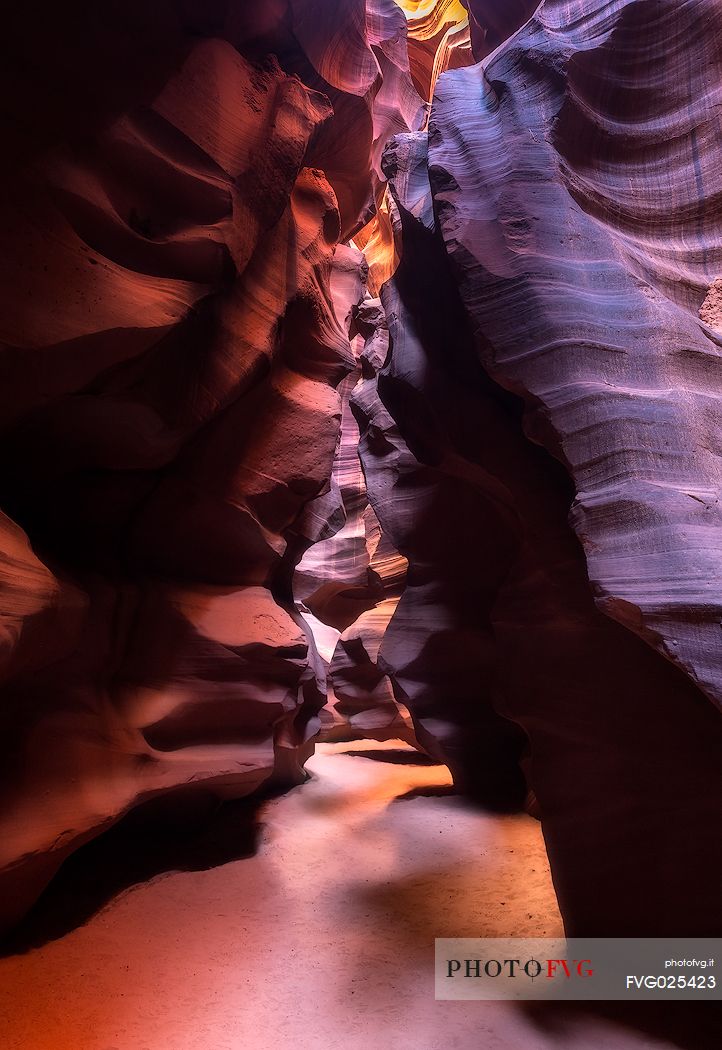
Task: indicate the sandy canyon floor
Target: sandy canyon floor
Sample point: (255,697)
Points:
(321,940)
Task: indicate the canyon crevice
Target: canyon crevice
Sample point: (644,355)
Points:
(361,378)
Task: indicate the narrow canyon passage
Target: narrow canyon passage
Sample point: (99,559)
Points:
(360,513)
(321,941)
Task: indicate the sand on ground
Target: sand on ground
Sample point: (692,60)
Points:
(324,940)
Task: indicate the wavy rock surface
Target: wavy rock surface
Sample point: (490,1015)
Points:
(169,405)
(191,560)
(583,298)
(426,489)
(348,583)
(438,39)
(169,411)
(491,22)
(555,205)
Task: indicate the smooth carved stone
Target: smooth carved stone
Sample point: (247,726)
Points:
(498,624)
(348,583)
(169,411)
(170,373)
(397,106)
(357,56)
(197,576)
(431,500)
(555,207)
(493,21)
(335,39)
(439,39)
(582,274)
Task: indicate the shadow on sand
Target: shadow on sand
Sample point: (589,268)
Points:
(688,1025)
(147,843)
(396,756)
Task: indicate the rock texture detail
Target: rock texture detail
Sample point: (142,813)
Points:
(348,583)
(170,358)
(554,205)
(350,386)
(582,300)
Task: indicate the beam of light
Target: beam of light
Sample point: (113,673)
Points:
(438,39)
(427,18)
(376,240)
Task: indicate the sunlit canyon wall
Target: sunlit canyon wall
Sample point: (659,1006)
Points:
(361,376)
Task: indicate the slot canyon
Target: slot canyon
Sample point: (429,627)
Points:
(361,560)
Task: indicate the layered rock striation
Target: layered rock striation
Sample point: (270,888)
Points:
(171,355)
(592,216)
(349,384)
(348,583)
(588,305)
